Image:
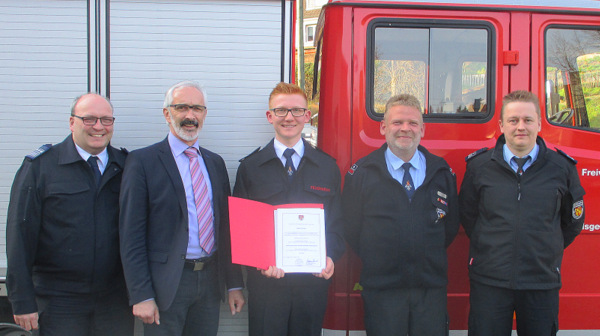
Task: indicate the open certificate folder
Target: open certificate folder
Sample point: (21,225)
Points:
(289,236)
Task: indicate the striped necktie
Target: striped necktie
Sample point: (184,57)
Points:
(203,204)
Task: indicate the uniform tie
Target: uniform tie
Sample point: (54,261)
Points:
(520,163)
(93,162)
(407,181)
(289,164)
(204,210)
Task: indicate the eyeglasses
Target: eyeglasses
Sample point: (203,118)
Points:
(282,112)
(184,108)
(91,121)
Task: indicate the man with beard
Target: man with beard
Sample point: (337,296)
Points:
(174,226)
(401,211)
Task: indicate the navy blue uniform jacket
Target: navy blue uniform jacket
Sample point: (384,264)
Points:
(262,177)
(62,231)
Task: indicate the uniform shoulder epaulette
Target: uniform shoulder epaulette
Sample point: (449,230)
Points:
(566,155)
(475,153)
(249,155)
(36,153)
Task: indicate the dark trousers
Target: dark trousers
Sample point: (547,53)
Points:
(406,311)
(277,308)
(103,314)
(195,309)
(492,310)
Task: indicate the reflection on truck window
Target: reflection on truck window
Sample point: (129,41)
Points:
(445,68)
(573,77)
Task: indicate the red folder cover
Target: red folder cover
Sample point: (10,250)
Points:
(252,226)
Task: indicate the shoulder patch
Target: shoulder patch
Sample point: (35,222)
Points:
(352,169)
(566,155)
(475,153)
(249,155)
(38,152)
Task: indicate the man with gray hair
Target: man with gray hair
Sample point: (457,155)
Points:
(174,226)
(401,213)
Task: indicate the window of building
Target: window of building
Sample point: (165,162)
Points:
(315,4)
(447,68)
(573,77)
(309,33)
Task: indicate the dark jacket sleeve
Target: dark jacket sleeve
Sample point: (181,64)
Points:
(336,245)
(239,189)
(468,201)
(233,272)
(572,208)
(22,231)
(351,207)
(133,220)
(453,221)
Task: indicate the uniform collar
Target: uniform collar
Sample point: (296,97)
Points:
(268,153)
(280,148)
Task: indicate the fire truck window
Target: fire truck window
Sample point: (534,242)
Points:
(400,64)
(573,77)
(445,68)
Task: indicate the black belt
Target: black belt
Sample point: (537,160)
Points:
(198,264)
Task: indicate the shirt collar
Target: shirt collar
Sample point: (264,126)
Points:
(102,156)
(397,162)
(279,148)
(178,146)
(508,155)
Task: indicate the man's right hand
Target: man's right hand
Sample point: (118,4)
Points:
(27,321)
(147,311)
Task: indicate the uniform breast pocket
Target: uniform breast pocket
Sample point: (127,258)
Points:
(267,193)
(64,201)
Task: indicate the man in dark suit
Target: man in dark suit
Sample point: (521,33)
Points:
(279,303)
(64,271)
(174,226)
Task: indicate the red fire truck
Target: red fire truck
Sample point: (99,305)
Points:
(460,58)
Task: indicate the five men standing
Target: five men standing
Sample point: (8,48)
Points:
(521,205)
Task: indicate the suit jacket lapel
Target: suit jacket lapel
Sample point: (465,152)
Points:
(166,158)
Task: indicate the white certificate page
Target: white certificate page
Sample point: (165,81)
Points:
(300,240)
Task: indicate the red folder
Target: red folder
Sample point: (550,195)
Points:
(252,227)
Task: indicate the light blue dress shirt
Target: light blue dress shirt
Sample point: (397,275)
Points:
(102,157)
(417,171)
(508,157)
(298,147)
